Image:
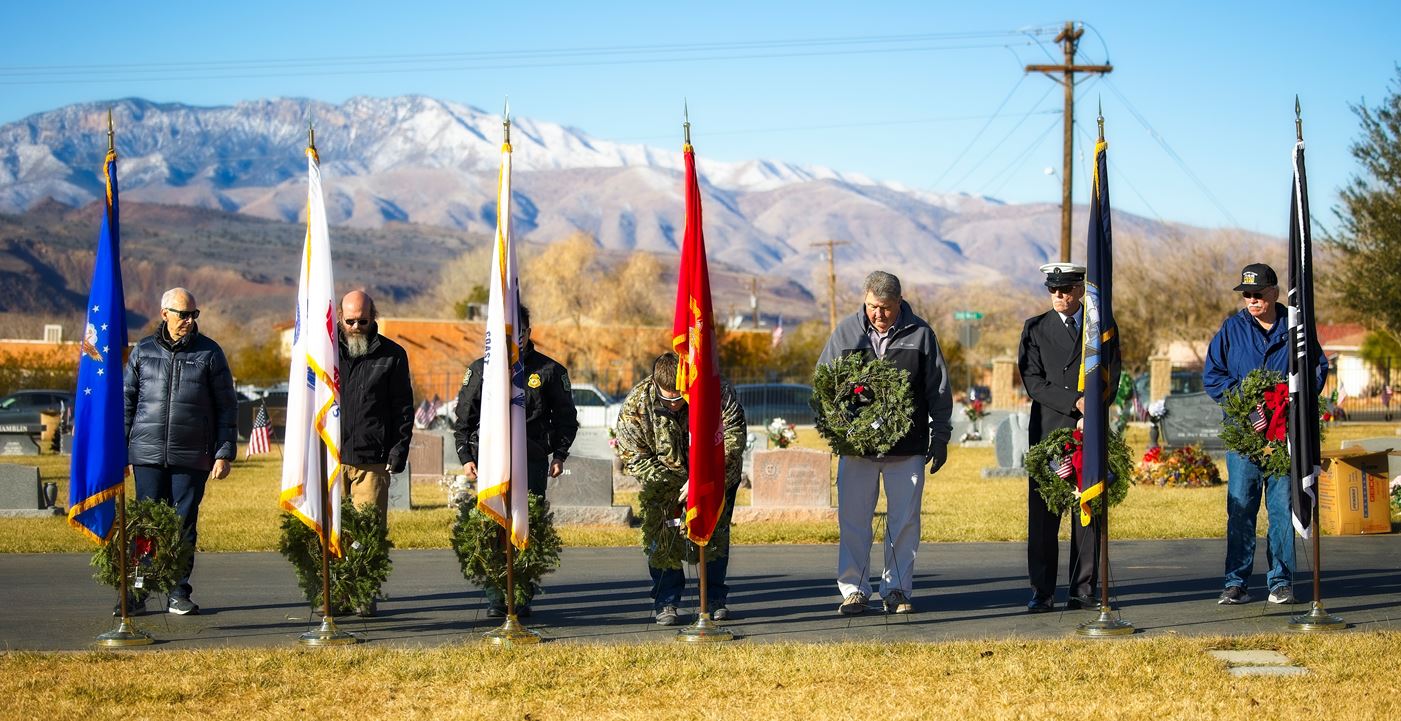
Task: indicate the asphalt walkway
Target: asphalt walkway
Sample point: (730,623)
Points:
(778,593)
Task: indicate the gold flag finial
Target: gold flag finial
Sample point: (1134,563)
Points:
(111,135)
(1298,121)
(1100,120)
(506,119)
(686,122)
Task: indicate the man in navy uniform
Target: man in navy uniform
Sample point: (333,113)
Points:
(1049,361)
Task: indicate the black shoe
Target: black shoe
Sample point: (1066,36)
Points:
(496,612)
(182,606)
(135,605)
(1077,602)
(1039,605)
(1233,595)
(721,612)
(523,612)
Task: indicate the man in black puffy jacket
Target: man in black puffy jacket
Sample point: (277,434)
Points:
(376,403)
(180,421)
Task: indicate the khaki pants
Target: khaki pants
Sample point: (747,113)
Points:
(368,483)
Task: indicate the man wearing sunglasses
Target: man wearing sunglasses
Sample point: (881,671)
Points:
(654,446)
(1048,358)
(1255,337)
(181,415)
(551,422)
(376,405)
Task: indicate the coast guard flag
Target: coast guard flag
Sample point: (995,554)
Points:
(309,472)
(1099,358)
(1304,455)
(501,462)
(698,375)
(99,421)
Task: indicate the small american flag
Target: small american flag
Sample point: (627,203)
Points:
(260,439)
(1257,419)
(1066,468)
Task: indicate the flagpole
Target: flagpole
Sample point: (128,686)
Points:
(1316,619)
(1108,623)
(511,631)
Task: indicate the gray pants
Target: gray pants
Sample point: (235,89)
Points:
(858,488)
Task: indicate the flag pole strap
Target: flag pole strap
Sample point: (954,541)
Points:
(327,634)
(126,633)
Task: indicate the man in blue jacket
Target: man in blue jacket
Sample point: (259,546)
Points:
(181,413)
(1254,338)
(886,327)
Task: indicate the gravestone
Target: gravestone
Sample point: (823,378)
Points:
(17,439)
(1010,441)
(426,454)
(400,485)
(452,465)
(583,494)
(20,493)
(1192,419)
(791,484)
(65,444)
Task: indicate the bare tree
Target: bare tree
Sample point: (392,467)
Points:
(563,281)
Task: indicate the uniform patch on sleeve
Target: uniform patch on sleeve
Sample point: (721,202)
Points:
(564,379)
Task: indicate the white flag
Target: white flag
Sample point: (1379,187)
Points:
(501,462)
(313,384)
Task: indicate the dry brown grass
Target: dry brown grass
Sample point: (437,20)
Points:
(1351,676)
(240,512)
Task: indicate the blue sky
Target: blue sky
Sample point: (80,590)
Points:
(897,91)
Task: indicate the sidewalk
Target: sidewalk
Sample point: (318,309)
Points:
(778,593)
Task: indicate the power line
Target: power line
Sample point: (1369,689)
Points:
(969,145)
(1017,160)
(1004,139)
(835,126)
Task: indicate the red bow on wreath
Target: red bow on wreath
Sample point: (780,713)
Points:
(1277,400)
(142,547)
(1077,459)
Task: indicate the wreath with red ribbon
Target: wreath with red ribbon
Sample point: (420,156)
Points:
(1257,417)
(1056,464)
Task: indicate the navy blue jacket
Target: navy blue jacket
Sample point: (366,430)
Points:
(1242,346)
(181,408)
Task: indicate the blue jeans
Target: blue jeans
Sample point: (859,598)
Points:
(1243,490)
(182,488)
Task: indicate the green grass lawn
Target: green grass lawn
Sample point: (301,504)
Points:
(240,513)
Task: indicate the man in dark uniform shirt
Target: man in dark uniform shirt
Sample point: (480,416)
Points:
(1049,362)
(550,424)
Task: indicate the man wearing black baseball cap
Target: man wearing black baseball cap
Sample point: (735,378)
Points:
(1255,337)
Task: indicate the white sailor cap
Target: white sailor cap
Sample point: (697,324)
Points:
(1063,274)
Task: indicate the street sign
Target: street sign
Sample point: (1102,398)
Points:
(967,315)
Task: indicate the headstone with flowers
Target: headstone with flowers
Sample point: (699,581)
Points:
(781,433)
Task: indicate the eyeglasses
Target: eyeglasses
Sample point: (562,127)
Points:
(1062,290)
(1252,296)
(184,314)
(672,401)
(352,322)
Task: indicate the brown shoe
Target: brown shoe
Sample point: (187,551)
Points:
(854,604)
(897,602)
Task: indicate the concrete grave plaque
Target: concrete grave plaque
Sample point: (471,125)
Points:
(399,489)
(17,444)
(789,484)
(583,493)
(1192,419)
(20,494)
(426,454)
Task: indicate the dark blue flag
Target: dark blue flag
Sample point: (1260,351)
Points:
(1304,455)
(1099,358)
(99,433)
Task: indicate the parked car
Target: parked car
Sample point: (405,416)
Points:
(595,408)
(763,402)
(22,408)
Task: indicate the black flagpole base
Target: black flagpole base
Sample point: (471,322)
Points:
(704,630)
(328,635)
(123,636)
(511,633)
(1108,624)
(1316,619)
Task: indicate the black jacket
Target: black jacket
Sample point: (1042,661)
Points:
(376,404)
(1048,359)
(914,348)
(181,409)
(550,419)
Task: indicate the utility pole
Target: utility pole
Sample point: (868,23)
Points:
(754,298)
(831,246)
(1069,38)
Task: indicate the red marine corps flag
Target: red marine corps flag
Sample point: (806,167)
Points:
(698,374)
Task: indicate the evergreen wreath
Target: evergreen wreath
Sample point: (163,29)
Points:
(664,537)
(156,554)
(862,407)
(1238,430)
(1059,493)
(356,577)
(479,542)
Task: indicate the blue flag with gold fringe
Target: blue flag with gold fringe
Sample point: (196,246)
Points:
(1099,358)
(99,426)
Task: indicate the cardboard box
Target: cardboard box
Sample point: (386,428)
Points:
(1353,493)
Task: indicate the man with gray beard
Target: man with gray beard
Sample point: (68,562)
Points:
(376,404)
